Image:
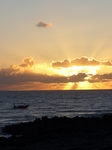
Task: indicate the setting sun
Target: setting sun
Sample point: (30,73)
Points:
(79,73)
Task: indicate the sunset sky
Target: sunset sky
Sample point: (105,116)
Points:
(55,44)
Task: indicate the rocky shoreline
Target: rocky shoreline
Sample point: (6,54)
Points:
(60,133)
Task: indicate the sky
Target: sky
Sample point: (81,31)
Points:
(55,44)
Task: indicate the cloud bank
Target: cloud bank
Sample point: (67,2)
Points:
(8,77)
(29,75)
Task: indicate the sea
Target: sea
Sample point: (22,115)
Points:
(81,103)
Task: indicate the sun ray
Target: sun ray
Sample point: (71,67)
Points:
(84,85)
(68,86)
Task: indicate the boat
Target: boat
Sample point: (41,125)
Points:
(21,106)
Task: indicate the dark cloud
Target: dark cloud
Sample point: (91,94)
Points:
(77,78)
(101,77)
(83,61)
(9,71)
(7,77)
(43,24)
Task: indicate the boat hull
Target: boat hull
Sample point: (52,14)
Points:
(21,106)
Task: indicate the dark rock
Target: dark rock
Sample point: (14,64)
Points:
(76,131)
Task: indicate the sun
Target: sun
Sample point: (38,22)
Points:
(77,69)
(68,71)
(92,69)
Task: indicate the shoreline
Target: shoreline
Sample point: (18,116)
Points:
(60,133)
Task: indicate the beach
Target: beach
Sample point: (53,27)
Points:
(60,133)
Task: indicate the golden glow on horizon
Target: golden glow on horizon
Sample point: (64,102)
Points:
(84,86)
(68,86)
(42,76)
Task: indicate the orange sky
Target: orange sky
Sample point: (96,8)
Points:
(55,45)
(79,73)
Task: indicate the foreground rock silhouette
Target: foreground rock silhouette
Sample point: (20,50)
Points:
(60,133)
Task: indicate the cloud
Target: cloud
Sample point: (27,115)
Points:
(27,62)
(66,63)
(101,77)
(83,61)
(13,69)
(77,78)
(9,78)
(106,63)
(43,24)
(29,75)
(27,72)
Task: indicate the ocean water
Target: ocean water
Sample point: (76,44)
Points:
(85,103)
